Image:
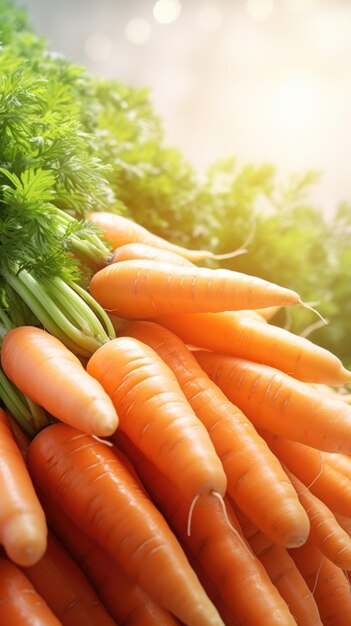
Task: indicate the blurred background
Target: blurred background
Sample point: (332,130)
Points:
(263,80)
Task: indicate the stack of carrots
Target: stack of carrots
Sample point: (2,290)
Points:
(196,469)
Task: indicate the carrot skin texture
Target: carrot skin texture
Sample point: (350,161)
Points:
(307,463)
(140,289)
(53,377)
(20,603)
(326,533)
(105,501)
(23,530)
(255,477)
(222,553)
(66,590)
(329,583)
(283,573)
(238,334)
(156,415)
(281,404)
(126,602)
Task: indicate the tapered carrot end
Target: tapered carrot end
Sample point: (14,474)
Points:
(345,375)
(25,539)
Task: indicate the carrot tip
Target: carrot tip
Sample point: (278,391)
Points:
(25,539)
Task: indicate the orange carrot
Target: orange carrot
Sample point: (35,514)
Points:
(141,289)
(97,492)
(156,416)
(130,251)
(326,483)
(124,599)
(255,477)
(119,230)
(339,462)
(219,547)
(283,573)
(326,533)
(237,334)
(268,313)
(328,583)
(53,377)
(281,404)
(20,603)
(66,590)
(23,531)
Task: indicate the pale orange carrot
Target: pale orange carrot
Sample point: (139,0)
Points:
(235,333)
(140,289)
(23,530)
(280,403)
(119,230)
(52,376)
(156,415)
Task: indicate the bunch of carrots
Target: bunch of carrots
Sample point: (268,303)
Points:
(194,470)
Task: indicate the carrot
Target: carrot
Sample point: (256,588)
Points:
(141,289)
(328,583)
(269,312)
(235,333)
(23,531)
(250,467)
(130,251)
(155,414)
(283,573)
(20,603)
(344,522)
(326,483)
(119,230)
(126,602)
(220,549)
(66,590)
(326,533)
(97,492)
(53,377)
(281,404)
(339,462)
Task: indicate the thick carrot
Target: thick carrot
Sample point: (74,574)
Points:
(240,335)
(130,251)
(119,230)
(328,583)
(93,487)
(53,377)
(219,547)
(20,603)
(283,573)
(23,531)
(325,482)
(255,477)
(65,589)
(156,415)
(124,599)
(140,289)
(326,533)
(281,404)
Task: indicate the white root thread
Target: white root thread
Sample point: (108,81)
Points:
(235,531)
(312,327)
(311,308)
(317,576)
(188,528)
(105,441)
